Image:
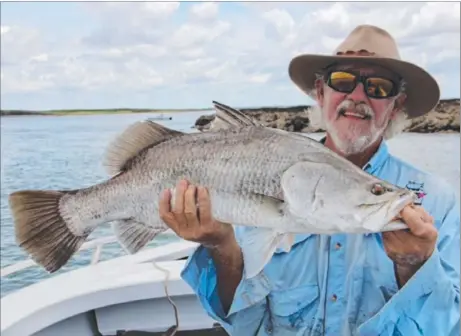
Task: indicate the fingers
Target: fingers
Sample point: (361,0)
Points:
(178,209)
(416,216)
(396,237)
(204,205)
(190,206)
(419,222)
(164,210)
(184,216)
(425,216)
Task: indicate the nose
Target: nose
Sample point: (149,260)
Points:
(358,94)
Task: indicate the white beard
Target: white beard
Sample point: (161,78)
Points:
(355,143)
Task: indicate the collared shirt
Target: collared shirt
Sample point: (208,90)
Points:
(344,284)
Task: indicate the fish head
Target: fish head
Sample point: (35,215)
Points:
(379,203)
(340,197)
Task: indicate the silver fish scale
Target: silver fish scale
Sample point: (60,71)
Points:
(248,160)
(240,167)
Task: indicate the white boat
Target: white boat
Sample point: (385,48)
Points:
(160,117)
(127,295)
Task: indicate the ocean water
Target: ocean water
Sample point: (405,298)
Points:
(66,153)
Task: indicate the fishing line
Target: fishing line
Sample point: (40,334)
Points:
(171,331)
(174,329)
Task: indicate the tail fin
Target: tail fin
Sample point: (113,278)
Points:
(41,230)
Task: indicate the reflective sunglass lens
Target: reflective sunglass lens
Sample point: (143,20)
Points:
(342,81)
(379,87)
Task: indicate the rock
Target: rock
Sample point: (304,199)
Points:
(444,117)
(203,121)
(298,123)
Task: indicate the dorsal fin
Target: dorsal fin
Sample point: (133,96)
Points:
(228,117)
(134,139)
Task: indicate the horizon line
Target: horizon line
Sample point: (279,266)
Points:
(168,109)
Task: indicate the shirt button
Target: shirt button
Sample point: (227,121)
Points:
(337,246)
(334,298)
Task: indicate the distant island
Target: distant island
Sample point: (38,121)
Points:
(443,118)
(73,112)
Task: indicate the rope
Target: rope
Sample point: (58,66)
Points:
(174,329)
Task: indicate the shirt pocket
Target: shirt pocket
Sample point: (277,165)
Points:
(294,309)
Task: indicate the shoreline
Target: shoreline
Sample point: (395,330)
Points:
(249,110)
(83,112)
(445,117)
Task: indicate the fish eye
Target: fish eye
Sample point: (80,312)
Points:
(378,189)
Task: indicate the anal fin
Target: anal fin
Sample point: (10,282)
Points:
(133,235)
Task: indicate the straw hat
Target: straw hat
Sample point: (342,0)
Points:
(422,90)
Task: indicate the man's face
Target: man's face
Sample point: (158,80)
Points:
(354,120)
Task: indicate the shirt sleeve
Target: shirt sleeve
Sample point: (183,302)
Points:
(247,309)
(428,304)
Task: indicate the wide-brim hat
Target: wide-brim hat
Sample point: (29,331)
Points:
(378,47)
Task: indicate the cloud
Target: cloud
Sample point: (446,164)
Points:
(125,24)
(19,44)
(194,35)
(4,29)
(133,13)
(204,11)
(237,51)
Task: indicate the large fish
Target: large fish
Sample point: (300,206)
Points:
(279,183)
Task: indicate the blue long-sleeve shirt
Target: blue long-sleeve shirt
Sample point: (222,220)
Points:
(345,284)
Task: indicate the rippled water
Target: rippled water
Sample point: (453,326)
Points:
(66,152)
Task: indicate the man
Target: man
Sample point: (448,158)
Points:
(404,282)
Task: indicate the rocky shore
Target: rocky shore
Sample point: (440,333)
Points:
(443,118)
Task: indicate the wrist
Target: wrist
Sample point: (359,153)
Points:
(226,253)
(407,269)
(404,272)
(222,243)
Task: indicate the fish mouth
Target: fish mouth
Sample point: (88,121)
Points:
(396,205)
(390,208)
(402,200)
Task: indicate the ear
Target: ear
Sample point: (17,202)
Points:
(398,104)
(319,91)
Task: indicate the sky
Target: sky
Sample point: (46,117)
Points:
(67,55)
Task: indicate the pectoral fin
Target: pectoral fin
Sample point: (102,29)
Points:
(259,245)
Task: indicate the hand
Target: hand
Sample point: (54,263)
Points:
(191,217)
(409,249)
(414,246)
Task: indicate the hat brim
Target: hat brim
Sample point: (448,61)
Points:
(422,90)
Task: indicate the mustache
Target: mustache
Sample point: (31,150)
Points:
(359,108)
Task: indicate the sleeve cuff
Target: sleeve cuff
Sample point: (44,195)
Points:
(428,278)
(200,274)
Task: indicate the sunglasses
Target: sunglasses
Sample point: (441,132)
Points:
(375,86)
